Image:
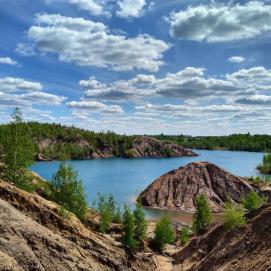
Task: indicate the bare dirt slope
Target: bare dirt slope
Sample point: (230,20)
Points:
(247,248)
(33,236)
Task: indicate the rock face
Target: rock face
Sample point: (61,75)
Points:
(178,189)
(248,248)
(151,147)
(33,236)
(142,147)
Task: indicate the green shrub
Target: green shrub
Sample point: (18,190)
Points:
(63,212)
(233,216)
(253,201)
(164,232)
(69,192)
(203,216)
(185,232)
(140,223)
(117,216)
(128,223)
(265,166)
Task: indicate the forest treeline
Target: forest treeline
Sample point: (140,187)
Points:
(235,142)
(70,142)
(75,143)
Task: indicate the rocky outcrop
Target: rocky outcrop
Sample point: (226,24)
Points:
(141,147)
(151,147)
(33,236)
(247,248)
(178,189)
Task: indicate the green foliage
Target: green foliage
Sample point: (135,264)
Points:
(18,152)
(70,142)
(140,223)
(69,192)
(265,166)
(117,216)
(128,221)
(108,212)
(235,142)
(185,232)
(202,217)
(253,201)
(105,210)
(233,216)
(63,212)
(164,232)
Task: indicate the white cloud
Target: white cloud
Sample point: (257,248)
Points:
(8,61)
(95,106)
(17,91)
(221,23)
(236,59)
(119,90)
(255,100)
(25,49)
(88,43)
(130,8)
(90,5)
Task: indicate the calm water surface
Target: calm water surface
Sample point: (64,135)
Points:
(126,178)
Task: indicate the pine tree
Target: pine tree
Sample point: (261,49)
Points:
(164,232)
(140,223)
(202,216)
(69,192)
(18,150)
(128,221)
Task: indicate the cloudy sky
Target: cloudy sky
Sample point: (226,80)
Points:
(138,66)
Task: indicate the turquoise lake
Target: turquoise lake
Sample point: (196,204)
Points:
(126,178)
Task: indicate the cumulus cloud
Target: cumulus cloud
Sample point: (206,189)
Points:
(90,5)
(89,43)
(222,23)
(8,61)
(130,8)
(95,106)
(187,84)
(17,91)
(138,86)
(255,100)
(236,59)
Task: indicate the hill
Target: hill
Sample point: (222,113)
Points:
(54,141)
(178,189)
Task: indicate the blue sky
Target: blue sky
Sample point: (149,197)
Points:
(138,66)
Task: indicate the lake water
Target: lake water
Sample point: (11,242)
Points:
(126,178)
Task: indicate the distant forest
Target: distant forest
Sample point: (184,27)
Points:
(74,143)
(235,142)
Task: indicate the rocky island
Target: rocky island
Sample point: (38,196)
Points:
(178,189)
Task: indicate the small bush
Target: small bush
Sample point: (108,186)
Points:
(164,232)
(128,221)
(69,192)
(265,166)
(233,216)
(140,223)
(253,201)
(202,216)
(185,232)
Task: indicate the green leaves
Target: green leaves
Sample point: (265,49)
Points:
(233,216)
(203,216)
(18,150)
(164,232)
(69,192)
(253,201)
